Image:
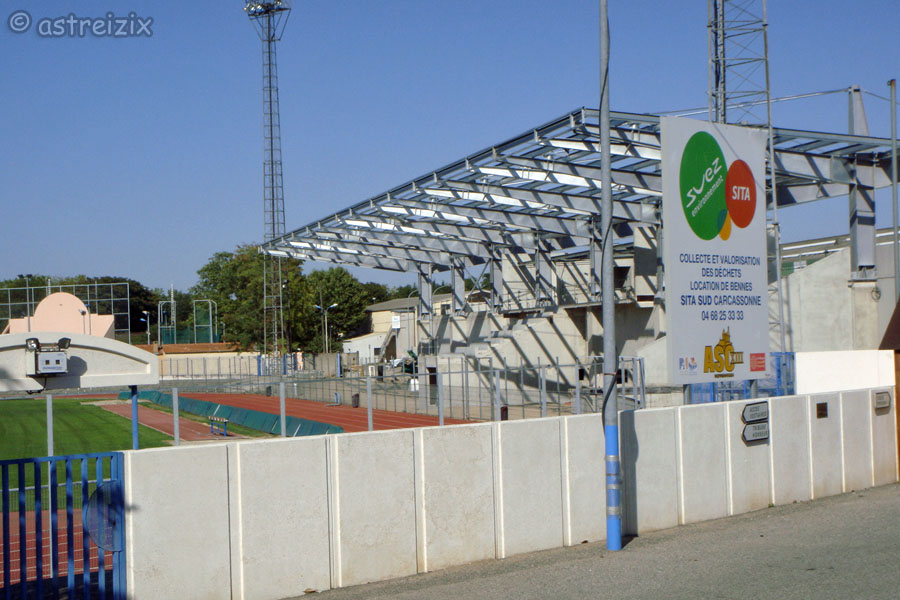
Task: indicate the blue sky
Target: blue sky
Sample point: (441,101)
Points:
(142,157)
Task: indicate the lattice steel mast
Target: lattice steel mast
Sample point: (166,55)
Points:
(738,86)
(269,19)
(739,92)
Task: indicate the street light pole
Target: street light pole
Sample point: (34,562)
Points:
(325,324)
(27,277)
(147,319)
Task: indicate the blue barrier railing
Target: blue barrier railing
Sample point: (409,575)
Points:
(254,419)
(86,557)
(781,382)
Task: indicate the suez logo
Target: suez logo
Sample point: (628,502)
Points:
(714,199)
(722,358)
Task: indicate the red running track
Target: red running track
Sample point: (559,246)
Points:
(351,419)
(30,547)
(188,431)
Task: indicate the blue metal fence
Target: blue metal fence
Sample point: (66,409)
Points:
(779,383)
(63,527)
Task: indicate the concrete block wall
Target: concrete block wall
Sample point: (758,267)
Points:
(688,464)
(818,372)
(272,519)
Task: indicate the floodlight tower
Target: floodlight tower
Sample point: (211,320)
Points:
(738,61)
(269,19)
(739,92)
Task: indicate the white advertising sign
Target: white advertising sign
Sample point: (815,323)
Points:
(714,251)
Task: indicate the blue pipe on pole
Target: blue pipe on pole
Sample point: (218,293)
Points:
(134,417)
(613,489)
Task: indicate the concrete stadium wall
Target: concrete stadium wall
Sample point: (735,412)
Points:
(272,519)
(818,372)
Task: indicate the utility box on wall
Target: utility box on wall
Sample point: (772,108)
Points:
(46,359)
(51,363)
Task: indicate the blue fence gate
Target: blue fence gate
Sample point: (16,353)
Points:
(63,527)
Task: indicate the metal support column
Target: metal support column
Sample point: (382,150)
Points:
(610,361)
(543,275)
(134,417)
(49,425)
(496,267)
(596,256)
(175,416)
(281,410)
(458,287)
(893,85)
(424,277)
(861,201)
(369,400)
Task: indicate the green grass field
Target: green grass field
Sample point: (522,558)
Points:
(78,428)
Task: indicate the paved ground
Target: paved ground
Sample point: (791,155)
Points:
(842,547)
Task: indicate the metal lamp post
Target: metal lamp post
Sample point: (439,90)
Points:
(27,277)
(325,324)
(146,314)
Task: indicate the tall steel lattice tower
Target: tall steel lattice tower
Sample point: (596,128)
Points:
(739,92)
(269,19)
(738,62)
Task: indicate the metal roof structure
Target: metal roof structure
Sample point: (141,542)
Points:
(542,188)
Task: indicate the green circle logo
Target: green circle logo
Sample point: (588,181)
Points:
(702,182)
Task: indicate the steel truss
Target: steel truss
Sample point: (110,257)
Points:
(539,193)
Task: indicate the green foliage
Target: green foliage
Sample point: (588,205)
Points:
(374,293)
(234,280)
(323,289)
(403,291)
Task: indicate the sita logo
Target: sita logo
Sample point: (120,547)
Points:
(722,357)
(712,198)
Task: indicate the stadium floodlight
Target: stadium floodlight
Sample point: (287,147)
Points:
(63,343)
(33,344)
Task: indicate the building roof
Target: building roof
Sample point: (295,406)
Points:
(403,304)
(543,187)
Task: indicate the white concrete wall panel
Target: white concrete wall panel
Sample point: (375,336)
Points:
(457,473)
(884,434)
(531,480)
(177,523)
(821,372)
(374,506)
(265,519)
(649,469)
(750,472)
(282,501)
(586,480)
(789,444)
(825,446)
(856,445)
(704,490)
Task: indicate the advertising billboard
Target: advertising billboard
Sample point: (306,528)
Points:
(714,251)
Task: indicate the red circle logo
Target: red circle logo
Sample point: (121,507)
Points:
(740,193)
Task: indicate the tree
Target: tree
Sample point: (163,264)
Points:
(234,281)
(323,289)
(375,292)
(404,291)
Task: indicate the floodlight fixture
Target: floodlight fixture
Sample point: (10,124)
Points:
(63,343)
(33,344)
